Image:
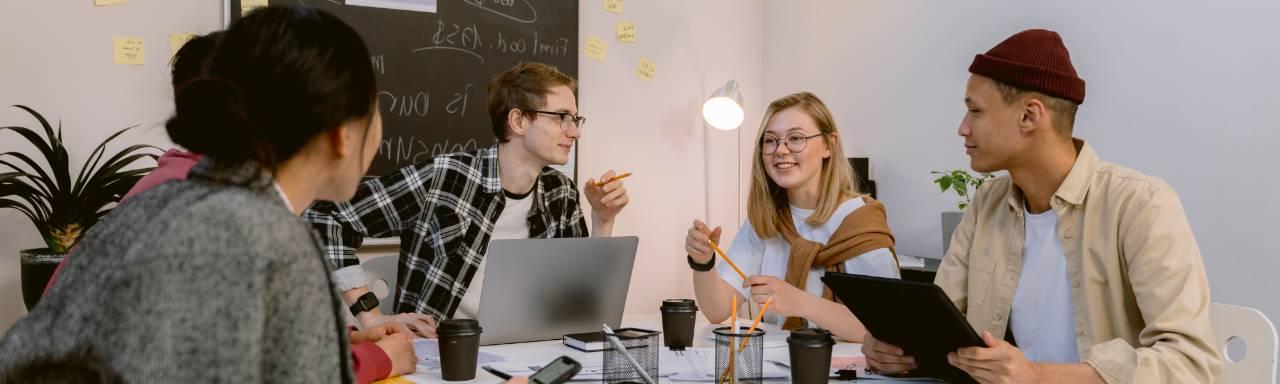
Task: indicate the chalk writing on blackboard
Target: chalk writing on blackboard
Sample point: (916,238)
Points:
(508,9)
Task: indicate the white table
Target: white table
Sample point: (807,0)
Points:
(545,351)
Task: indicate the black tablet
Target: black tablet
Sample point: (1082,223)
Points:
(915,316)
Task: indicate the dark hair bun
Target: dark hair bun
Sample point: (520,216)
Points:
(212,118)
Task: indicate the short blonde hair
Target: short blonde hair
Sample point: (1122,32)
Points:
(767,202)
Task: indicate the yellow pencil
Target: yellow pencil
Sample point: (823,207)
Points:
(726,259)
(612,179)
(755,323)
(733,330)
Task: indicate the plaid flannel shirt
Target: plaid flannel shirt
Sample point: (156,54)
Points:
(443,211)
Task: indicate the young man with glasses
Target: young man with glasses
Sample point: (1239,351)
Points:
(445,211)
(805,217)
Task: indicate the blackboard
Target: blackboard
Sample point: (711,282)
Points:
(434,68)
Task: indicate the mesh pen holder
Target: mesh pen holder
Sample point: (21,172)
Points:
(747,362)
(644,348)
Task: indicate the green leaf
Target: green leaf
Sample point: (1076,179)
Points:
(53,200)
(945,183)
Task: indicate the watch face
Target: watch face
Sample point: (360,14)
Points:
(369,301)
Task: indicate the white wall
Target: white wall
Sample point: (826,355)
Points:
(59,62)
(655,128)
(1182,90)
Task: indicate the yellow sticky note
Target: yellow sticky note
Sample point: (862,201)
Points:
(626,31)
(109,2)
(128,50)
(614,6)
(646,70)
(177,40)
(596,48)
(249,5)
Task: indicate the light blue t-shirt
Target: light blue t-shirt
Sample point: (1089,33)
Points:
(1043,315)
(769,257)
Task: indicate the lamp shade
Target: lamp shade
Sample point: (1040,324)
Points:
(723,110)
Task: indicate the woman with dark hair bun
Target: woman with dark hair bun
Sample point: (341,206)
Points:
(216,278)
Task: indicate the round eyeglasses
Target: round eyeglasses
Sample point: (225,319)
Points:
(796,142)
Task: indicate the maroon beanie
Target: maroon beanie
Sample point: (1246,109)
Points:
(1034,60)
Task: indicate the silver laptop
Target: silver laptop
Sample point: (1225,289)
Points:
(543,289)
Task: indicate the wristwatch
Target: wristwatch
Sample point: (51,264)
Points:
(701,267)
(367,302)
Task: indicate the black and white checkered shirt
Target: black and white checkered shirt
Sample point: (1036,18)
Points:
(443,211)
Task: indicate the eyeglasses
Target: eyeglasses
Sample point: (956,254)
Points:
(796,142)
(566,119)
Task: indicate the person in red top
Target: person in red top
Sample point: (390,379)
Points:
(371,349)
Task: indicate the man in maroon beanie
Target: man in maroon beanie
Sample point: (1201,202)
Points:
(1073,269)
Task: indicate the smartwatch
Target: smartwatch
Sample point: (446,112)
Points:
(367,302)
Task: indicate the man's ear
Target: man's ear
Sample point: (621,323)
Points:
(1034,114)
(516,122)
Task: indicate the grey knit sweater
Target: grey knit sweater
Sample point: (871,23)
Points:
(211,279)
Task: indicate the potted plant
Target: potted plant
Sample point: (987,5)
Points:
(962,182)
(61,208)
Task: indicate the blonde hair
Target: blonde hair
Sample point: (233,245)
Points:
(767,202)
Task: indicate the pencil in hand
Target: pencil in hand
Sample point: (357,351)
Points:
(601,183)
(726,259)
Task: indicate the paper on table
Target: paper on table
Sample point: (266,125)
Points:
(592,370)
(428,351)
(699,364)
(843,362)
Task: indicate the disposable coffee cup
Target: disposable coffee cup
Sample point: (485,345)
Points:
(678,316)
(459,348)
(810,350)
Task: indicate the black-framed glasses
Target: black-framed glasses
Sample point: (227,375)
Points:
(796,142)
(566,119)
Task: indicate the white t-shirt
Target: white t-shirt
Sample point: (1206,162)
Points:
(512,224)
(1043,315)
(769,257)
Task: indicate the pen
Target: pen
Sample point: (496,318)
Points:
(495,372)
(613,339)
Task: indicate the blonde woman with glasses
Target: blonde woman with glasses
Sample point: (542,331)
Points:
(805,217)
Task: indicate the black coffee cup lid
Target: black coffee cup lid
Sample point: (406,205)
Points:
(459,327)
(679,304)
(812,335)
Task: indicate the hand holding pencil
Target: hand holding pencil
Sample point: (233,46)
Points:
(698,242)
(606,195)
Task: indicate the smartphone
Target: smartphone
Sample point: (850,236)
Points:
(558,371)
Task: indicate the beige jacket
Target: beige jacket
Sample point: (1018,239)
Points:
(1138,283)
